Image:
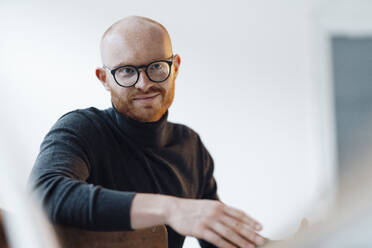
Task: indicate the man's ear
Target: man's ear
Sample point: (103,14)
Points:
(176,63)
(101,75)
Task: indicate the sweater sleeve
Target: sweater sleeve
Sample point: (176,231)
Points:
(59,180)
(209,186)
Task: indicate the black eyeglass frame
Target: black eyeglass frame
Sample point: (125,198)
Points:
(113,71)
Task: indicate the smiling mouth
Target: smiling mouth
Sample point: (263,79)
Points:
(146,98)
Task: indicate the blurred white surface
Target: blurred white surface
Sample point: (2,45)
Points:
(24,222)
(349,223)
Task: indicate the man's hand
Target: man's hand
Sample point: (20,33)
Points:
(214,222)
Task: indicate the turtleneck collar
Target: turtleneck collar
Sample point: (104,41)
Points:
(153,134)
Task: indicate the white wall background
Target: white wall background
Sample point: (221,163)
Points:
(245,86)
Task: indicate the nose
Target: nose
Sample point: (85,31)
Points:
(143,81)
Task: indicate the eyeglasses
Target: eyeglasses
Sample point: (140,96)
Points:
(128,75)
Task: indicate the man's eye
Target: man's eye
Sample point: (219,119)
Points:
(156,66)
(128,70)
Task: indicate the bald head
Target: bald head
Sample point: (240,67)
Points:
(134,40)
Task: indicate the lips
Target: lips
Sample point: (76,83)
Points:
(147,96)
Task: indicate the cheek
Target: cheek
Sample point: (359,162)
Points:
(121,94)
(169,94)
(168,87)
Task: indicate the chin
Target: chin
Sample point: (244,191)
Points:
(148,115)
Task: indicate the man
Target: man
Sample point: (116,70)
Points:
(127,167)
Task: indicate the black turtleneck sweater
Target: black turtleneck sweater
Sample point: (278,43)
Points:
(92,163)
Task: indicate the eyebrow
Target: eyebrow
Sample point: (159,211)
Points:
(125,64)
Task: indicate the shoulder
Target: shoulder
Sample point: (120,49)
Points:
(189,135)
(81,118)
(87,114)
(182,131)
(80,123)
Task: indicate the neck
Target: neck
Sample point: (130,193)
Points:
(153,133)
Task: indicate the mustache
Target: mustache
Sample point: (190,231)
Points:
(150,90)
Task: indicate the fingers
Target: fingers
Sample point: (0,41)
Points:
(240,215)
(243,229)
(215,239)
(231,235)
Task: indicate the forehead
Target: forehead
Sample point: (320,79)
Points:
(135,46)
